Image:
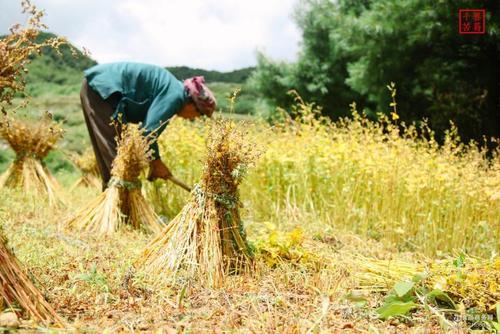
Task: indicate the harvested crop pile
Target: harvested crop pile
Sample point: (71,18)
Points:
(206,239)
(31,141)
(463,283)
(87,164)
(122,203)
(17,289)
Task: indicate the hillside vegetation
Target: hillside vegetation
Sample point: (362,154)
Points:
(60,74)
(56,73)
(236,76)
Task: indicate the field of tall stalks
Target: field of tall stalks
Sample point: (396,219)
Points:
(380,179)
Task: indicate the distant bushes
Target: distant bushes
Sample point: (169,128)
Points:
(236,76)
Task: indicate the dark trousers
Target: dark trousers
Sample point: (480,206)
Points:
(98,116)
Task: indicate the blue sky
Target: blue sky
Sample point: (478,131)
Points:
(212,34)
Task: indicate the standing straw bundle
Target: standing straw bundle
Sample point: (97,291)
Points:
(206,238)
(87,164)
(31,141)
(16,288)
(122,202)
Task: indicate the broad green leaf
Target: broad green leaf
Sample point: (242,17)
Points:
(395,308)
(402,288)
(442,296)
(418,278)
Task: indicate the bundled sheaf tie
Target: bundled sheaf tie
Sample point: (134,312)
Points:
(206,240)
(122,203)
(87,164)
(16,289)
(31,141)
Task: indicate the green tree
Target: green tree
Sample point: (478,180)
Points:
(321,70)
(352,49)
(273,80)
(441,75)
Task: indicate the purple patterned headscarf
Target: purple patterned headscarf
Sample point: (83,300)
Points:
(202,96)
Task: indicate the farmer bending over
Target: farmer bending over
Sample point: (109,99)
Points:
(139,93)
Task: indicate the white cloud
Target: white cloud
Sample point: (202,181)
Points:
(211,34)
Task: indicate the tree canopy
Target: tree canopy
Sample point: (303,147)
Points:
(352,49)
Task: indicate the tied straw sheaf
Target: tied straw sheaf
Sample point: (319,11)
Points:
(31,141)
(87,164)
(16,288)
(206,239)
(122,203)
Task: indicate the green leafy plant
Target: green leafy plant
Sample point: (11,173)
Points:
(93,278)
(410,295)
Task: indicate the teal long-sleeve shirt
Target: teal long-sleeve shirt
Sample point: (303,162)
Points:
(150,94)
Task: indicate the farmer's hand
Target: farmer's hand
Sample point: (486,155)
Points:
(158,170)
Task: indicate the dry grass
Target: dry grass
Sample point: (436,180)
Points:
(87,279)
(298,283)
(17,288)
(207,237)
(122,203)
(31,141)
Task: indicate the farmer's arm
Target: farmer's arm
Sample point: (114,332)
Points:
(158,170)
